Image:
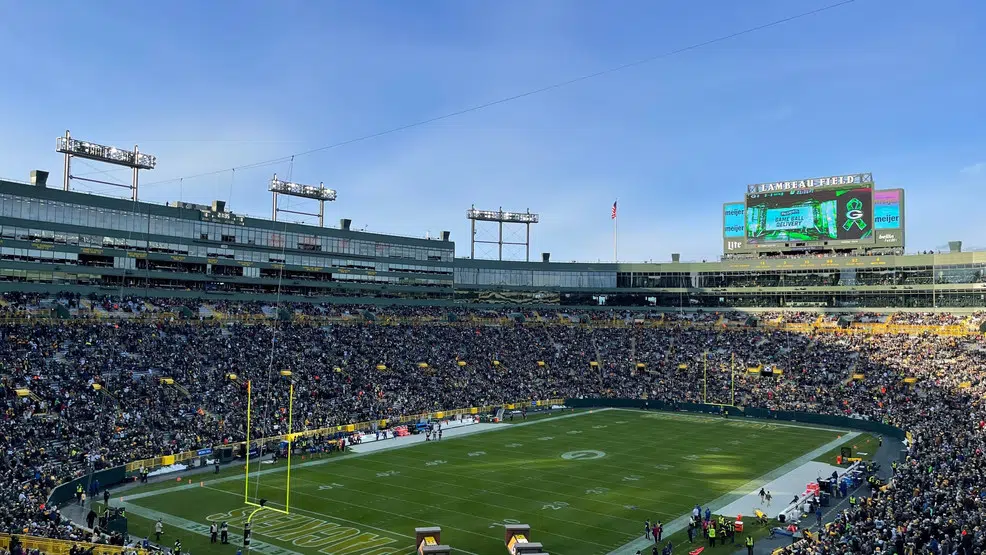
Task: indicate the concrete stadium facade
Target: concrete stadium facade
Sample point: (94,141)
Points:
(62,241)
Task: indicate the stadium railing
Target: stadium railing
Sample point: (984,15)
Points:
(167,460)
(62,547)
(46,315)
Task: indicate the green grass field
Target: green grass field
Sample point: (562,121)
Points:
(585,484)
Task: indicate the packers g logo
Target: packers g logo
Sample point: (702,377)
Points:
(854,215)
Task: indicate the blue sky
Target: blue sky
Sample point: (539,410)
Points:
(894,87)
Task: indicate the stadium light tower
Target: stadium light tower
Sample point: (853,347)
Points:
(320,193)
(134,159)
(500,217)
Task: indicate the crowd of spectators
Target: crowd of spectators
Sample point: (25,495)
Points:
(928,318)
(63,426)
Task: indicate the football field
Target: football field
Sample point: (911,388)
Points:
(584,482)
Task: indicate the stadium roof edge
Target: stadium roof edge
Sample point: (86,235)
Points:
(112,203)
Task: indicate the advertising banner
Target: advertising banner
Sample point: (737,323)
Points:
(733,224)
(789,218)
(888,217)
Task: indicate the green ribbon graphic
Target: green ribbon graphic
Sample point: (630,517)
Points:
(854,204)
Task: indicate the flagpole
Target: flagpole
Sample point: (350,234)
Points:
(616,219)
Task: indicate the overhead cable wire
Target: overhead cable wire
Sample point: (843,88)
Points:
(529,93)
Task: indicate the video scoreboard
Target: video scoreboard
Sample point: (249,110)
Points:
(843,211)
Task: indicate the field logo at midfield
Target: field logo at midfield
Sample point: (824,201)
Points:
(586,455)
(311,533)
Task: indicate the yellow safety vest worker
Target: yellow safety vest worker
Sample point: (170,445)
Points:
(712,531)
(852,500)
(749,541)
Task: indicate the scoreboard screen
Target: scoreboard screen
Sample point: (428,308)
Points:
(836,214)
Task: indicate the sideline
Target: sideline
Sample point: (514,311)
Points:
(752,420)
(203,530)
(271,549)
(681,522)
(396,445)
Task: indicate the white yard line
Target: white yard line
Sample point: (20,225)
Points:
(627,549)
(682,521)
(255,545)
(270,549)
(394,444)
(749,420)
(172,521)
(478,518)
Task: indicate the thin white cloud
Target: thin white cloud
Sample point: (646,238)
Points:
(974,169)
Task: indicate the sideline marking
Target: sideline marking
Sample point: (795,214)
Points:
(586,455)
(325,536)
(717,504)
(203,530)
(395,446)
(732,421)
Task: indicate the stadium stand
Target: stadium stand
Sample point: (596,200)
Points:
(55,423)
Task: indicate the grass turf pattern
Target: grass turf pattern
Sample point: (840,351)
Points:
(549,475)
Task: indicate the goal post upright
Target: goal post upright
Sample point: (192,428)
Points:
(290,440)
(288,437)
(705,377)
(246,477)
(732,380)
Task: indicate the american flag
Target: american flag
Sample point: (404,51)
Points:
(614,211)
